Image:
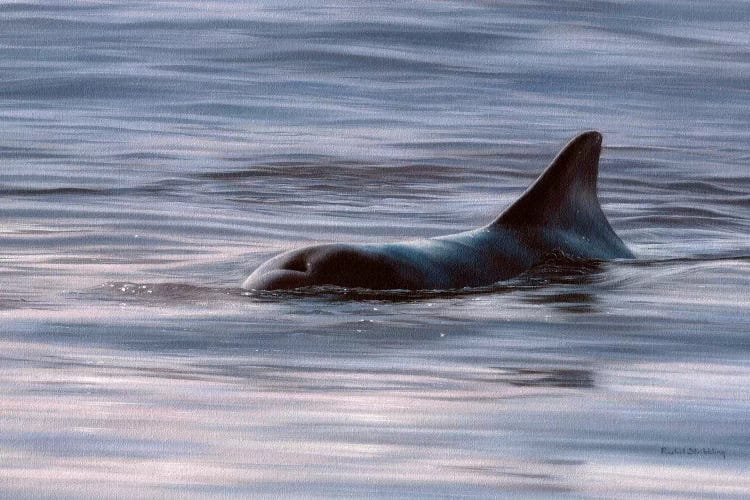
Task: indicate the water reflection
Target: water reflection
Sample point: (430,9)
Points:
(238,424)
(570,378)
(566,301)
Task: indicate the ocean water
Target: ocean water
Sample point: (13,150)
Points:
(154,153)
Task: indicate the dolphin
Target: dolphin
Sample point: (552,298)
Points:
(559,212)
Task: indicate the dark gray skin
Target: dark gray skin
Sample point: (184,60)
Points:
(560,211)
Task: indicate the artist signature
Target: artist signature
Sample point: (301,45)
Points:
(683,450)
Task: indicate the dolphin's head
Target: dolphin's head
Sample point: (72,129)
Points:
(335,265)
(284,272)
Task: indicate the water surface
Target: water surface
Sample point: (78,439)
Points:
(153,154)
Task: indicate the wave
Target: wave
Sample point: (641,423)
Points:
(158,188)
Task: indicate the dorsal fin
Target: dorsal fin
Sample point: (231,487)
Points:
(569,181)
(564,198)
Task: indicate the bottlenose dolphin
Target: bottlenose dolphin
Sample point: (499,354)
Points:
(558,212)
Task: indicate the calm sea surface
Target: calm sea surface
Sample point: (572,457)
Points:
(152,154)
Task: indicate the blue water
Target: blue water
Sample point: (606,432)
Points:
(154,153)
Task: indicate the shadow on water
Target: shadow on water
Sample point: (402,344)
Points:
(569,378)
(573,302)
(10,303)
(158,293)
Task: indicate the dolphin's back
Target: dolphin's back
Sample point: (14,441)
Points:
(474,258)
